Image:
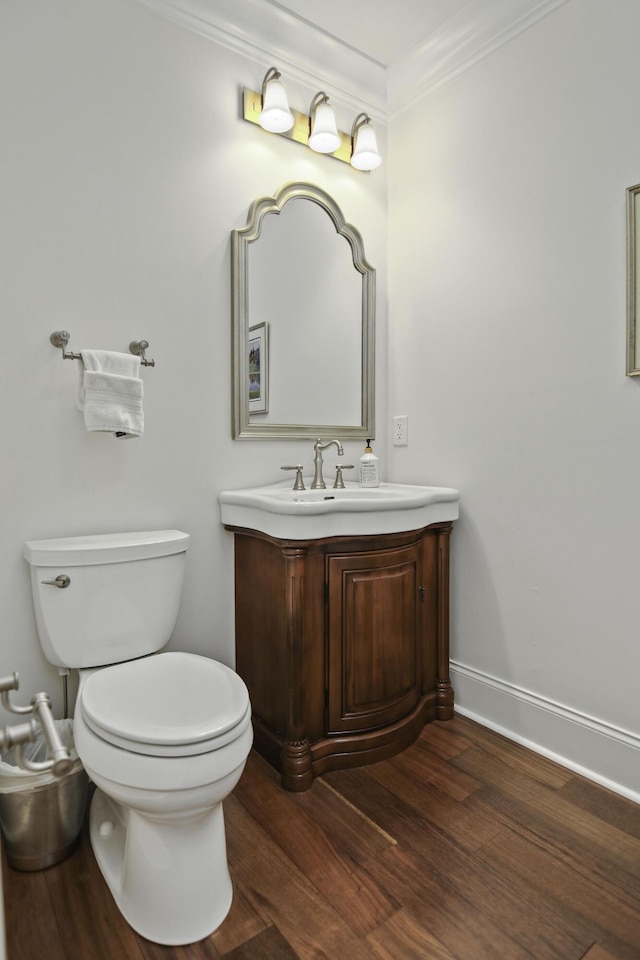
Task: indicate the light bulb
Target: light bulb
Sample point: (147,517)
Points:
(365,155)
(276,117)
(324,136)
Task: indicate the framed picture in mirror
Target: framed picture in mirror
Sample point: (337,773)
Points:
(259,368)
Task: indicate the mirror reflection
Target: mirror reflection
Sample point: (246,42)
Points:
(303,312)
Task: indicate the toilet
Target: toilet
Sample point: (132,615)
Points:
(163,735)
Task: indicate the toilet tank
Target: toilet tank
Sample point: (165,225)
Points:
(122,598)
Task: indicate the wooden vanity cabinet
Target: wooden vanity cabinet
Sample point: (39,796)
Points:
(343,644)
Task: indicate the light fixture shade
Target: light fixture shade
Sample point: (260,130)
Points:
(324,136)
(276,117)
(365,154)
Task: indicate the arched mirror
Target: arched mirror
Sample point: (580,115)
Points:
(303,302)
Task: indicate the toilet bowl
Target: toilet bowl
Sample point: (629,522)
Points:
(156,821)
(163,735)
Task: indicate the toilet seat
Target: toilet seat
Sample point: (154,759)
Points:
(168,705)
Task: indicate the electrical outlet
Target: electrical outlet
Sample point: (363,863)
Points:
(401,431)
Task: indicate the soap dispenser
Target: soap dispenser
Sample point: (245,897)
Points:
(369,472)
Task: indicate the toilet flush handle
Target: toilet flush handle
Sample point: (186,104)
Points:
(62,581)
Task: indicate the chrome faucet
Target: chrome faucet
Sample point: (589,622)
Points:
(318,480)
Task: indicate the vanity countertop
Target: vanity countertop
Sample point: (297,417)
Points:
(279,511)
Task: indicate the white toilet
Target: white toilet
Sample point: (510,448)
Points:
(165,738)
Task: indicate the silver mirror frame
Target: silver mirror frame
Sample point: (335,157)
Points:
(633,281)
(242,426)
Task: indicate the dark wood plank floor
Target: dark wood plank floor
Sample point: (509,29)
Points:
(464,847)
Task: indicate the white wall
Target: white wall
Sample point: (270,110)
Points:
(507,342)
(124,167)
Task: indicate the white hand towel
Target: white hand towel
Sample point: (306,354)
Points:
(110,392)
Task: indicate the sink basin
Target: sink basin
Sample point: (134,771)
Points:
(289,514)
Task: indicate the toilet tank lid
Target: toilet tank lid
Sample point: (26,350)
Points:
(105,548)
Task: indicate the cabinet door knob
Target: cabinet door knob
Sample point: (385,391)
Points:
(421,592)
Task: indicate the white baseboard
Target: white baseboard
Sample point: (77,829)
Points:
(593,748)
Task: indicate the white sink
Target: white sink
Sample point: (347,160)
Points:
(289,514)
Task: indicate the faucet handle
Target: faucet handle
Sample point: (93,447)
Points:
(339,484)
(299,483)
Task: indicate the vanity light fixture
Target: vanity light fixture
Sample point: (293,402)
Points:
(270,110)
(275,115)
(364,147)
(323,132)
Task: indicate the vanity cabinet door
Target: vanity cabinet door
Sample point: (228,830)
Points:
(374,638)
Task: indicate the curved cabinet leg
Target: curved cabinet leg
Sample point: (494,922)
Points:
(295,766)
(444,700)
(295,758)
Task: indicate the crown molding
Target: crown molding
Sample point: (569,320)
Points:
(267,33)
(467,37)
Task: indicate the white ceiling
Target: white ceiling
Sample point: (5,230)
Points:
(384,32)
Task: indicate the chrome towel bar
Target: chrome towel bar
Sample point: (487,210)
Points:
(60,338)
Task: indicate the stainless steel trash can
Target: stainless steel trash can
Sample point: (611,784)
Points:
(41,816)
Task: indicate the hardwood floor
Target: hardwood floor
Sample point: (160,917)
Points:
(464,847)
